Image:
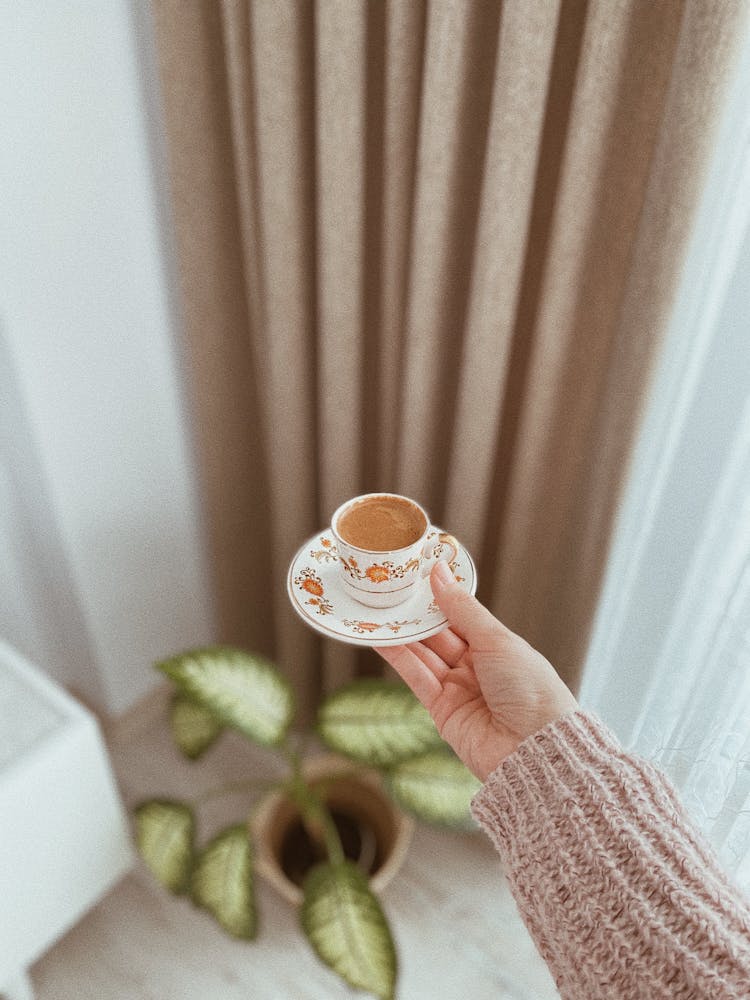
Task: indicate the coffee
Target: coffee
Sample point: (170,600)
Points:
(381,524)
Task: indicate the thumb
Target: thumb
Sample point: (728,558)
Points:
(476,624)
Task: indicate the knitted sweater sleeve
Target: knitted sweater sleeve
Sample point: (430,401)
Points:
(624,899)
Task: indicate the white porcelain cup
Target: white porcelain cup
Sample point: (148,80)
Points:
(385,578)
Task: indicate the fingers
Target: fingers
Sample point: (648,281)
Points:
(418,674)
(431,659)
(471,619)
(450,647)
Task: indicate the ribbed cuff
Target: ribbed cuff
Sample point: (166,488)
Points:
(553,757)
(619,890)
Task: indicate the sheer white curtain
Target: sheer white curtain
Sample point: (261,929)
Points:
(669,663)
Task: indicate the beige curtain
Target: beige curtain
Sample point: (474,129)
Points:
(429,248)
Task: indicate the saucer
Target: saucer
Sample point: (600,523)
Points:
(317,595)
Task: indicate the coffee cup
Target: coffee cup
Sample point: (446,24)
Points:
(385,546)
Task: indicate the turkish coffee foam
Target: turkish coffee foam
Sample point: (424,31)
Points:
(381,524)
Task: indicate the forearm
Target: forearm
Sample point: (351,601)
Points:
(619,891)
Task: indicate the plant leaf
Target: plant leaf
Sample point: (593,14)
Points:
(242,690)
(377,722)
(345,924)
(194,728)
(435,787)
(164,836)
(222,881)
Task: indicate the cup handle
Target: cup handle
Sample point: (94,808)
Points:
(443,538)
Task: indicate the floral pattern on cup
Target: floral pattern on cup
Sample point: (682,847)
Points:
(309,581)
(388,577)
(379,572)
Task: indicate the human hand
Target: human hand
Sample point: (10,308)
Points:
(485,687)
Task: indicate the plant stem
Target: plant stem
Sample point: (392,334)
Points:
(334,846)
(294,759)
(315,814)
(235,786)
(317,818)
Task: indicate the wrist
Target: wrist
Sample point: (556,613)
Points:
(496,751)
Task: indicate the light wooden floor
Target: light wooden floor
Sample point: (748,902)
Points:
(457,931)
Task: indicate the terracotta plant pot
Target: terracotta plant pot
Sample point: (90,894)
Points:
(379,832)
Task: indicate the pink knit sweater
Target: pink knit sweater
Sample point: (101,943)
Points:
(624,899)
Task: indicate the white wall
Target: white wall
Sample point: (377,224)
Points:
(98,486)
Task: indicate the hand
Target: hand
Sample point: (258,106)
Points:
(485,687)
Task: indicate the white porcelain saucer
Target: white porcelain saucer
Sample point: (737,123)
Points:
(316,593)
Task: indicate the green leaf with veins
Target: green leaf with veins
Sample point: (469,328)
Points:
(194,728)
(241,690)
(376,722)
(164,833)
(435,787)
(345,924)
(222,881)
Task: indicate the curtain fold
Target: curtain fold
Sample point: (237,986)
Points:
(429,248)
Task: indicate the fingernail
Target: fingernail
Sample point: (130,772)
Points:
(442,572)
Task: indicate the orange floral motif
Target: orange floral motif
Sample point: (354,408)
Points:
(327,553)
(453,568)
(362,627)
(367,626)
(309,581)
(378,574)
(397,626)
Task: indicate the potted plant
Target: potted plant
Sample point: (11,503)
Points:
(326,834)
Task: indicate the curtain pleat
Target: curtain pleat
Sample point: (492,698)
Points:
(431,248)
(459,61)
(268,49)
(402,58)
(621,223)
(340,102)
(519,99)
(609,77)
(215,305)
(340,120)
